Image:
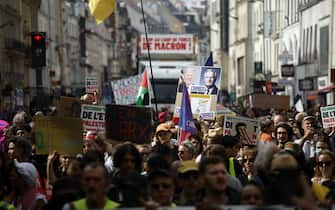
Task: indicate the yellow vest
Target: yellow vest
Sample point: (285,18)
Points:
(81,204)
(6,206)
(232,167)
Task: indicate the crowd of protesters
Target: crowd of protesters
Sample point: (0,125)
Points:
(292,163)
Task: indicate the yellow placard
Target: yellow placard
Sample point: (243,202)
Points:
(62,134)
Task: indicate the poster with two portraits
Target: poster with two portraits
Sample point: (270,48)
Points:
(203,85)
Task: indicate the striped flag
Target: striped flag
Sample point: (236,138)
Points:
(143,92)
(186,123)
(101,9)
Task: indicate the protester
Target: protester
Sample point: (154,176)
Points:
(253,195)
(214,174)
(161,188)
(95,183)
(189,180)
(283,134)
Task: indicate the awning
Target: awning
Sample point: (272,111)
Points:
(313,95)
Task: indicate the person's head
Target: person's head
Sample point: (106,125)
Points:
(163,133)
(283,133)
(21,118)
(210,77)
(186,151)
(252,194)
(23,130)
(66,189)
(188,76)
(215,150)
(11,148)
(144,150)
(22,176)
(95,181)
(321,145)
(266,125)
(279,118)
(65,160)
(248,160)
(22,149)
(127,158)
(325,165)
(214,174)
(232,145)
(164,151)
(197,144)
(307,123)
(161,187)
(93,142)
(188,174)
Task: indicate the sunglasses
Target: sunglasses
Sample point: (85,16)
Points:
(189,176)
(163,186)
(324,163)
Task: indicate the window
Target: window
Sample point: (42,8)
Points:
(324,53)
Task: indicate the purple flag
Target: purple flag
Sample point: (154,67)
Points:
(186,123)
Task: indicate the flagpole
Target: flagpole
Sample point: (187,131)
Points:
(149,56)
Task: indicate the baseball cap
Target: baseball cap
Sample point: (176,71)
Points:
(300,116)
(163,127)
(188,165)
(308,118)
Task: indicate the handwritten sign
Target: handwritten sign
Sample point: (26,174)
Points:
(128,123)
(62,134)
(328,116)
(244,128)
(91,83)
(125,90)
(93,117)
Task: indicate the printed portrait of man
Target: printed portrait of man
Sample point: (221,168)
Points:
(209,79)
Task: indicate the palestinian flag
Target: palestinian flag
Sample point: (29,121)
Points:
(143,92)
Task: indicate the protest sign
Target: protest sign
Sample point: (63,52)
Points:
(69,107)
(91,83)
(244,128)
(167,44)
(93,117)
(61,134)
(128,123)
(203,83)
(270,101)
(328,116)
(125,90)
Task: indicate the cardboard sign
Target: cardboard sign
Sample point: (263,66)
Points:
(203,83)
(69,107)
(91,83)
(125,90)
(328,116)
(264,101)
(62,134)
(128,123)
(244,128)
(93,117)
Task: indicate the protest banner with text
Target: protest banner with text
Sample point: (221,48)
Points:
(129,123)
(203,84)
(93,117)
(125,90)
(244,128)
(61,134)
(328,116)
